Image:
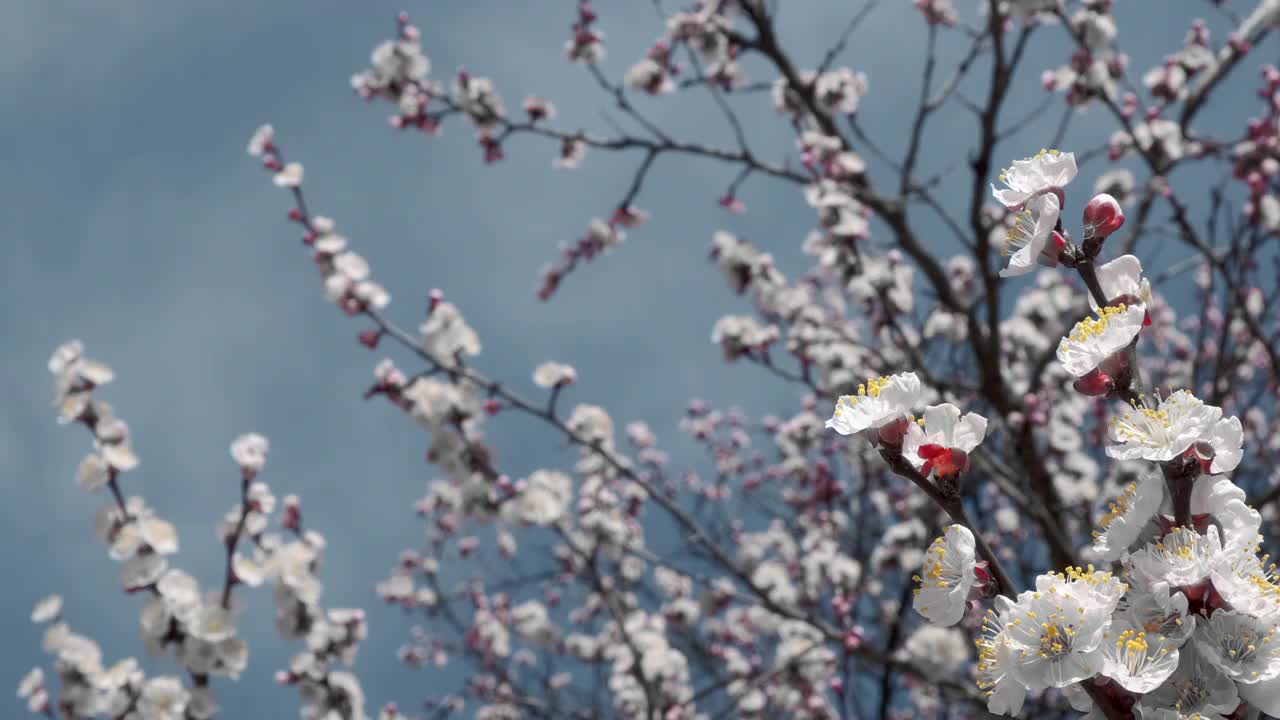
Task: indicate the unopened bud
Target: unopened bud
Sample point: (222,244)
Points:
(370,338)
(1094,384)
(854,637)
(891,434)
(1102,216)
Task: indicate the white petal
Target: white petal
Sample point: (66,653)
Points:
(1263,695)
(1228,437)
(290,176)
(942,419)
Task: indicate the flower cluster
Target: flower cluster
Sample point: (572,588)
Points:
(346,274)
(199,626)
(977,430)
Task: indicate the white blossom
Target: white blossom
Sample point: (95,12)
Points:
(261,140)
(447,336)
(554,374)
(1182,558)
(879,402)
(1032,240)
(1138,661)
(1127,517)
(250,451)
(49,608)
(933,442)
(997,654)
(247,570)
(180,593)
(1029,177)
(943,650)
(163,698)
(1198,688)
(1241,645)
(1245,583)
(31,682)
(946,577)
(541,500)
(1162,433)
(1057,629)
(212,623)
(1094,340)
(94,472)
(840,90)
(290,176)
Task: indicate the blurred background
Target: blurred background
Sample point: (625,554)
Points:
(136,222)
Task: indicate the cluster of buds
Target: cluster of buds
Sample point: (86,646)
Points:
(601,237)
(1256,159)
(586,44)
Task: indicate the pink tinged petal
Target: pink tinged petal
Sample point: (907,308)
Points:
(893,432)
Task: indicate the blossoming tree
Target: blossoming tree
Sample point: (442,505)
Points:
(988,497)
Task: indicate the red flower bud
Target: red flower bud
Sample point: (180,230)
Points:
(370,338)
(1102,216)
(1095,383)
(893,433)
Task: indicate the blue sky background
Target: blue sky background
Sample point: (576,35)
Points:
(135,221)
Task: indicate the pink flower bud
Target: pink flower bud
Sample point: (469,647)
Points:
(370,338)
(892,433)
(732,204)
(1094,384)
(853,638)
(1102,216)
